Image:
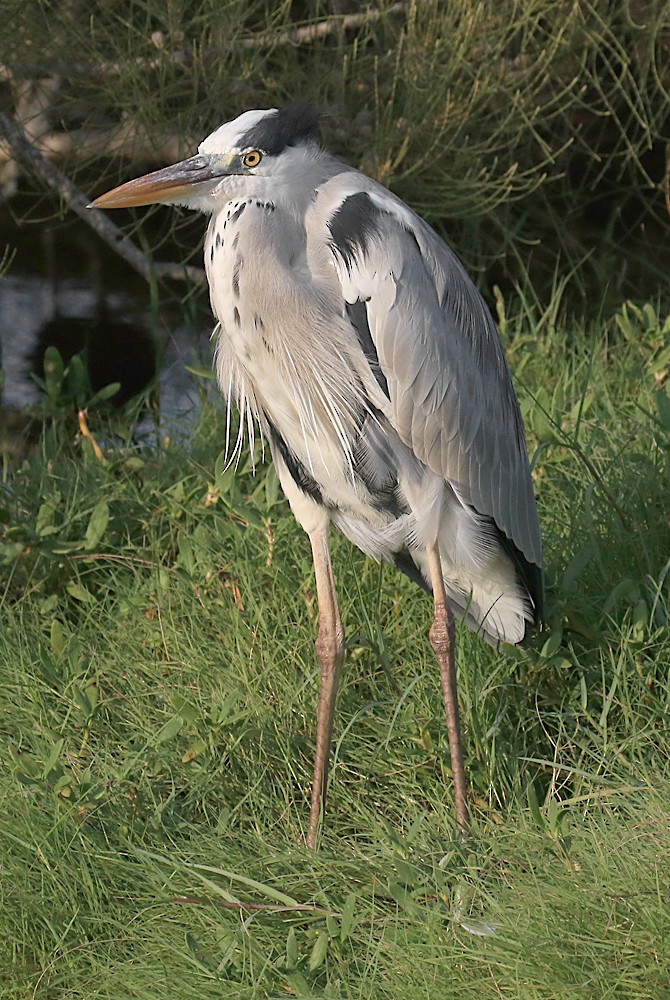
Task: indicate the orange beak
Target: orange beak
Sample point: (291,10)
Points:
(176,184)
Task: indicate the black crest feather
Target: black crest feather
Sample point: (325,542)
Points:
(286,127)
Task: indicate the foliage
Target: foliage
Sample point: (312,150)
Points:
(158,690)
(67,388)
(534,131)
(158,701)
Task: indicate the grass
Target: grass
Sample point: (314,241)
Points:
(157,707)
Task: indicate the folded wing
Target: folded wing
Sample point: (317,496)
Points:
(438,360)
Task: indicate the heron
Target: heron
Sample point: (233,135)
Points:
(351,335)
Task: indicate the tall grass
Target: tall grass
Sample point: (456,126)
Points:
(157,707)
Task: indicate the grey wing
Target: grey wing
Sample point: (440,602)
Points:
(441,361)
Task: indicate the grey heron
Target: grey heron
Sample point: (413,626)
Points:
(352,336)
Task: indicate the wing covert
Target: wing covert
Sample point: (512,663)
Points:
(451,398)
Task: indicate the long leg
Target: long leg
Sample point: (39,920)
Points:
(443,640)
(329,655)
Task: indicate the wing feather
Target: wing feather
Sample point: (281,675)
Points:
(451,398)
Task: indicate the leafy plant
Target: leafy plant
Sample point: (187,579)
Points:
(67,388)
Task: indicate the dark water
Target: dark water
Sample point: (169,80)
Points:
(64,286)
(61,275)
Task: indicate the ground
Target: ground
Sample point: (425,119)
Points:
(158,720)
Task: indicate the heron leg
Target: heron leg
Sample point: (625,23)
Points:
(329,654)
(443,640)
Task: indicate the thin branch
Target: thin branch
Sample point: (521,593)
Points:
(75,199)
(183,57)
(320,29)
(125,139)
(252,907)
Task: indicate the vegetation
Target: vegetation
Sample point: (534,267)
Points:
(158,690)
(534,133)
(158,702)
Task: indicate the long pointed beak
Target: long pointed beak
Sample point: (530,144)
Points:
(176,183)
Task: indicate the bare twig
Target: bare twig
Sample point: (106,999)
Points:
(320,29)
(126,139)
(182,56)
(75,199)
(251,907)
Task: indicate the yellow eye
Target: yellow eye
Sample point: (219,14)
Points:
(252,159)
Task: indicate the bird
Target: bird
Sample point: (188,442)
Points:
(351,335)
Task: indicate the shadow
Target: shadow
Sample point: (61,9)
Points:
(112,349)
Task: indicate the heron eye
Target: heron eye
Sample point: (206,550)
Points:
(252,159)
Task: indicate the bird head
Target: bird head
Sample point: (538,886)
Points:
(255,155)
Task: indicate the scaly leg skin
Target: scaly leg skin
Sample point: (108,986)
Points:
(443,640)
(329,654)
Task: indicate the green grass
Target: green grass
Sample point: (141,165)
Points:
(157,722)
